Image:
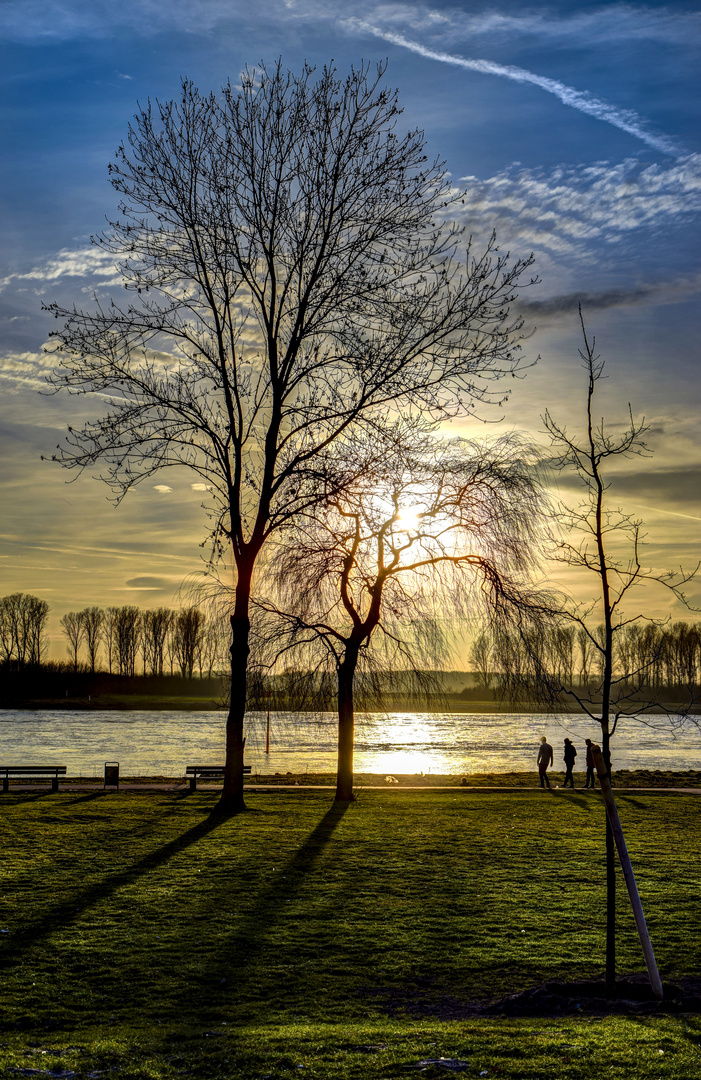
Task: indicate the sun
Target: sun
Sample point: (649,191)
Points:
(408,518)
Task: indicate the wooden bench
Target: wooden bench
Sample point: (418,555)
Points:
(208,772)
(54,771)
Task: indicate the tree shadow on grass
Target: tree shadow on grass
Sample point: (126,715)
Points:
(250,939)
(90,797)
(630,800)
(33,796)
(14,947)
(580,801)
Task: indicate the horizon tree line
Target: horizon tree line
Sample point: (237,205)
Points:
(649,656)
(129,640)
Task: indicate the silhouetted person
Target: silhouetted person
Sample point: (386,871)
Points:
(591,777)
(545,758)
(569,756)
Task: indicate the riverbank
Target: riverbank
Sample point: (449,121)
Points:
(624,779)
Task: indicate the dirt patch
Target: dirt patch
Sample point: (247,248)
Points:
(633,997)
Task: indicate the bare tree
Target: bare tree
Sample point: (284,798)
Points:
(482,659)
(187,635)
(23,619)
(127,634)
(109,636)
(157,623)
(293,279)
(72,626)
(214,645)
(93,619)
(424,535)
(606,542)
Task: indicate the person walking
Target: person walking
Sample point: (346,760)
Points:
(545,758)
(569,756)
(591,778)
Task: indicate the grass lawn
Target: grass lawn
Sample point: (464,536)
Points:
(142,937)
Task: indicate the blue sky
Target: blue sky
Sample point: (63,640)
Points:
(574,129)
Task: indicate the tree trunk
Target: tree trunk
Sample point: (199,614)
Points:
(231,800)
(346,726)
(610,881)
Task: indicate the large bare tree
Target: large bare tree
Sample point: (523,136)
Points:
(292,278)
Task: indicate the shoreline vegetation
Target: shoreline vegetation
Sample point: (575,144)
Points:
(190,703)
(56,686)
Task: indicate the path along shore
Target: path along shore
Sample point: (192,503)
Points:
(639,781)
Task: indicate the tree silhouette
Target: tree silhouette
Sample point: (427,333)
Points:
(293,279)
(605,542)
(425,534)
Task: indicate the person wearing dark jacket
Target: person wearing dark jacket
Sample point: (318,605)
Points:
(570,755)
(591,778)
(545,758)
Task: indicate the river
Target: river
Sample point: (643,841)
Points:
(163,743)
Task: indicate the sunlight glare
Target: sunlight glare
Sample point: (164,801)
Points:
(408,518)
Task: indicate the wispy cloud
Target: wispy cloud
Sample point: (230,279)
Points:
(590,28)
(94,550)
(624,119)
(570,209)
(27,19)
(24,371)
(80,262)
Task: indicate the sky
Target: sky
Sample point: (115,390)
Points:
(574,130)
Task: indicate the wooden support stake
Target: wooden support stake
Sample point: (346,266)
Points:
(627,868)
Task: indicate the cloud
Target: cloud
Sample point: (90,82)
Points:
(624,119)
(148,583)
(675,485)
(24,371)
(201,487)
(163,488)
(81,262)
(665,292)
(615,23)
(572,209)
(27,20)
(94,551)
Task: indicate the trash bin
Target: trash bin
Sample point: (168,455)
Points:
(111,774)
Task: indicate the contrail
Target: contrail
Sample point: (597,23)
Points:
(626,119)
(657,510)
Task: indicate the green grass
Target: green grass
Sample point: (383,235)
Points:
(150,939)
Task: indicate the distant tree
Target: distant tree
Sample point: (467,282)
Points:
(109,636)
(92,619)
(72,626)
(127,634)
(214,647)
(482,659)
(429,533)
(23,619)
(288,247)
(187,637)
(157,624)
(585,648)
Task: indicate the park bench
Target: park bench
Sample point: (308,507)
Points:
(54,771)
(208,772)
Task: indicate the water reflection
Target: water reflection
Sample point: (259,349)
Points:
(163,743)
